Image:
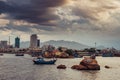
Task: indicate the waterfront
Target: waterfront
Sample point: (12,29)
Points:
(22,68)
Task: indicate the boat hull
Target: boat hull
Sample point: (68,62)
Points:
(19,54)
(1,54)
(44,62)
(107,55)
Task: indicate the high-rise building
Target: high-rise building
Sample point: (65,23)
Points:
(17,42)
(38,43)
(3,44)
(33,41)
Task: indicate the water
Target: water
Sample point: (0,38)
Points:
(22,68)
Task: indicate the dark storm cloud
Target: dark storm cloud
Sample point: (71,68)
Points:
(34,11)
(18,28)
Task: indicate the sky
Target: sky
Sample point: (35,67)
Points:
(83,21)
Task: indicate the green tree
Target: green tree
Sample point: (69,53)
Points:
(60,49)
(70,52)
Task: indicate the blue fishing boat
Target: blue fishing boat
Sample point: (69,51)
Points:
(107,55)
(108,52)
(42,61)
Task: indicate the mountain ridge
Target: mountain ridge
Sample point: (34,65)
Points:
(58,43)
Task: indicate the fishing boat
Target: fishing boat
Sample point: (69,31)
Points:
(19,54)
(108,52)
(107,55)
(42,61)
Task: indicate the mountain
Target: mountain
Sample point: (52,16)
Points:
(68,44)
(58,43)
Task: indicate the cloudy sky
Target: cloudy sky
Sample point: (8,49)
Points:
(84,21)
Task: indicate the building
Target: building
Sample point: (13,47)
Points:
(38,43)
(3,44)
(33,41)
(17,42)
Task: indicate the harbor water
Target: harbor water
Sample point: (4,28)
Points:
(22,68)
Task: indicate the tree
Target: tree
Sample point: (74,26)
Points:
(70,52)
(60,49)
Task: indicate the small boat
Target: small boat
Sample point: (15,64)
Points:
(1,54)
(42,61)
(107,55)
(19,54)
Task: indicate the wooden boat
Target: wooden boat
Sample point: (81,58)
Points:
(42,61)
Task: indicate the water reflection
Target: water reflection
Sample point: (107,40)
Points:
(89,75)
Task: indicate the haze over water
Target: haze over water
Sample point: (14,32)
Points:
(22,68)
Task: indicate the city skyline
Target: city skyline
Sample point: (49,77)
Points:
(83,21)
